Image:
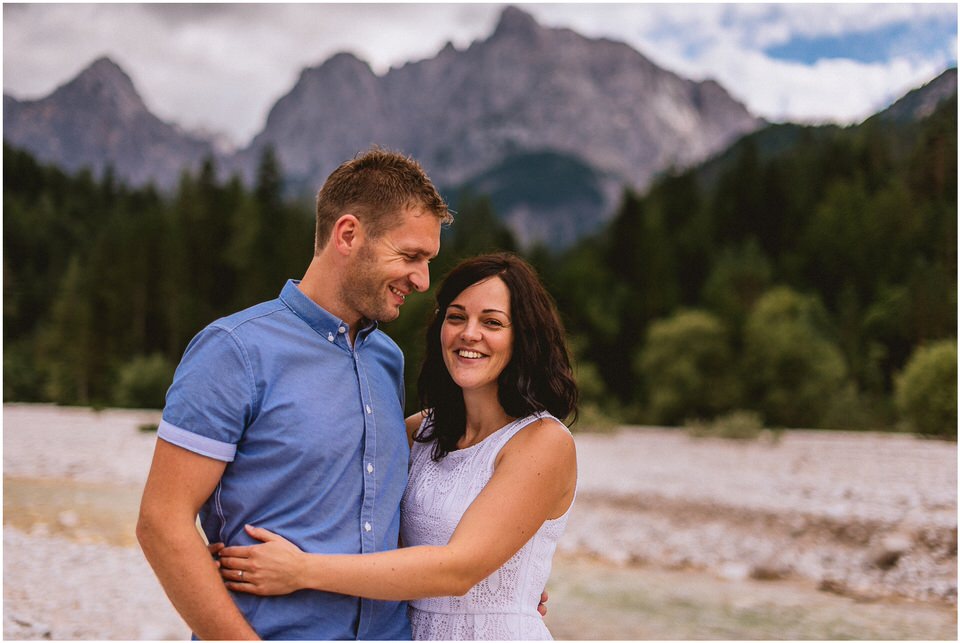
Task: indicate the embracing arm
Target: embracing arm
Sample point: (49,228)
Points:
(533,481)
(178,484)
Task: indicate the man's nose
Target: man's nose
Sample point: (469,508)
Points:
(420,277)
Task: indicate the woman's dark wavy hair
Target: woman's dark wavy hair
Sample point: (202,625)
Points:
(537,378)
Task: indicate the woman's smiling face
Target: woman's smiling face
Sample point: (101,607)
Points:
(477,334)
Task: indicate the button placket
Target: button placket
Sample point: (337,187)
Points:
(369,450)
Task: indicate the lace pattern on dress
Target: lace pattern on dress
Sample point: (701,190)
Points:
(502,606)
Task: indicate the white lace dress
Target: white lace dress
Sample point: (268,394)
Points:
(502,606)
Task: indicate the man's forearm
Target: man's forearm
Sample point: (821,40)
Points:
(189,576)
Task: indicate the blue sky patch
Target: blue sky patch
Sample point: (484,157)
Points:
(902,39)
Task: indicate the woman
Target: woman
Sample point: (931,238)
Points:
(492,476)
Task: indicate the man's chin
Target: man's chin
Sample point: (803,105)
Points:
(385,315)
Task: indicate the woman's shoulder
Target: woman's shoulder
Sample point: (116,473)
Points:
(414,422)
(545,445)
(545,422)
(544,432)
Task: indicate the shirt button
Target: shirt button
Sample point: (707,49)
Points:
(369,468)
(329,337)
(342,330)
(369,410)
(367,526)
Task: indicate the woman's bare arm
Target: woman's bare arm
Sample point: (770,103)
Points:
(534,481)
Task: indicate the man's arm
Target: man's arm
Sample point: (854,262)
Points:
(179,482)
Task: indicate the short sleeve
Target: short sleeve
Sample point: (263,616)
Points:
(211,400)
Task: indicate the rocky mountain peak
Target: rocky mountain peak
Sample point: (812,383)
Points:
(97,120)
(103,77)
(345,60)
(339,68)
(922,102)
(103,83)
(448,49)
(516,23)
(105,67)
(550,96)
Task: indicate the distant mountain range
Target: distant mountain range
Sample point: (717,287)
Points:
(549,123)
(921,102)
(98,119)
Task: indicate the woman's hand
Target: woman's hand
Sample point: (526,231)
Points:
(267,570)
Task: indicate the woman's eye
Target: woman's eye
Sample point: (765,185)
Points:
(494,323)
(453,317)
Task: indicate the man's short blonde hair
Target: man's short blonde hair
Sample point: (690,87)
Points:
(376,186)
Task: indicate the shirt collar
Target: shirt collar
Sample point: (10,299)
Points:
(317,317)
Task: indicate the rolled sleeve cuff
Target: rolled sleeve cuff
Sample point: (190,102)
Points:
(197,443)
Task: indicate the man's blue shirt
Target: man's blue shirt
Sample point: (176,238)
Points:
(312,430)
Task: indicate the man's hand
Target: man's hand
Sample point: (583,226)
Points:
(215,549)
(542,607)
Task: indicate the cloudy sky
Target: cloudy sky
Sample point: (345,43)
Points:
(220,67)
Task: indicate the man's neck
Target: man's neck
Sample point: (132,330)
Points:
(321,285)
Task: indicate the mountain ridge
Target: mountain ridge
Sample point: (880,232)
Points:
(523,92)
(98,120)
(524,89)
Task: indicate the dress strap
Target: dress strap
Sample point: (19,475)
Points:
(522,423)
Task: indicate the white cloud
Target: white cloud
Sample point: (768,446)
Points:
(831,90)
(726,42)
(221,67)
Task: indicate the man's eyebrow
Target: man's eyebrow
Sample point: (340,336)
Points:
(420,253)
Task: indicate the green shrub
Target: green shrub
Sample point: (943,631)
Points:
(735,425)
(849,409)
(22,376)
(592,418)
(791,364)
(687,368)
(143,382)
(738,279)
(926,391)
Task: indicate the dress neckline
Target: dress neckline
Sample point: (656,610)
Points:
(500,430)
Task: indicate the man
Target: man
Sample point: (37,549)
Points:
(289,416)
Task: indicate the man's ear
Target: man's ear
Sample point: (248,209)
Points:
(347,234)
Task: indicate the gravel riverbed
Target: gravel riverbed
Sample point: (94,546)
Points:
(868,519)
(864,514)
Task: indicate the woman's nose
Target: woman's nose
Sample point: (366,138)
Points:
(471,331)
